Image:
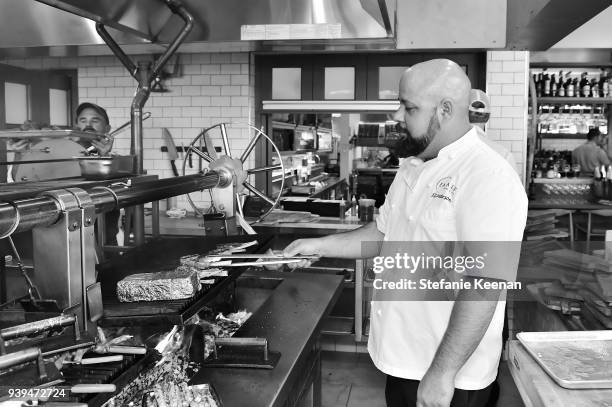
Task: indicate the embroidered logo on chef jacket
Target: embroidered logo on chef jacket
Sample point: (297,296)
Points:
(445,189)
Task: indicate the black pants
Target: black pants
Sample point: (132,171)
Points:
(403,393)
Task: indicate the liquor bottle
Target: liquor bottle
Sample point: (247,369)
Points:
(605,87)
(553,86)
(342,207)
(353,206)
(540,85)
(585,86)
(561,86)
(594,88)
(546,85)
(570,88)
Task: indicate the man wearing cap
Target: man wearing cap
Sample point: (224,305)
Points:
(452,187)
(93,118)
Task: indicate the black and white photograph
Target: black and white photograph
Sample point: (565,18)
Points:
(305,203)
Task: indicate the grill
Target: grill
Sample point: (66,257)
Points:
(160,255)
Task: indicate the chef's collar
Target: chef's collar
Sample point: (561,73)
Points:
(458,146)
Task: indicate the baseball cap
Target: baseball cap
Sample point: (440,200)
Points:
(95,107)
(480,106)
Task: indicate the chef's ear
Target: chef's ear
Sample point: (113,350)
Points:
(446,108)
(107,129)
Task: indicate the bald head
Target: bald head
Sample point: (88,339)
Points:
(434,99)
(437,79)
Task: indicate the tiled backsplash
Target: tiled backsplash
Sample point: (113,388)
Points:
(507,88)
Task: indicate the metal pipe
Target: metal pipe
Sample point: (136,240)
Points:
(125,60)
(45,211)
(17,358)
(36,327)
(177,8)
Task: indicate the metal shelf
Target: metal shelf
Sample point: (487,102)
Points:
(338,326)
(579,136)
(574,100)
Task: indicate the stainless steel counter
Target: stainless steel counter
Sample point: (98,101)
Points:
(290,317)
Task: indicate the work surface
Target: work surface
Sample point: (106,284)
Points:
(290,319)
(539,390)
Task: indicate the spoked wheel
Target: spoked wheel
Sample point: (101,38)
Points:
(203,148)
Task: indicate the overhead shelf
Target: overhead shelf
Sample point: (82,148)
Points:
(573,100)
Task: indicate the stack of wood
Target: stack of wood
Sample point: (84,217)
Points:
(542,224)
(584,281)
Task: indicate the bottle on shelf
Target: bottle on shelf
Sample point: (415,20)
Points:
(353,206)
(570,87)
(342,213)
(540,85)
(561,85)
(553,85)
(546,85)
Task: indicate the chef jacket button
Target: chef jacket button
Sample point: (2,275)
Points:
(410,218)
(379,312)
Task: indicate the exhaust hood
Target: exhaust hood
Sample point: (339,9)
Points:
(48,23)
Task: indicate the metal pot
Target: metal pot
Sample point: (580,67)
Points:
(106,167)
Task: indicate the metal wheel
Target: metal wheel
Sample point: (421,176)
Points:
(203,148)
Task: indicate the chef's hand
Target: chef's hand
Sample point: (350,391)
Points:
(435,390)
(103,145)
(302,246)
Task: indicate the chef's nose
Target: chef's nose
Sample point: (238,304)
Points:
(398,116)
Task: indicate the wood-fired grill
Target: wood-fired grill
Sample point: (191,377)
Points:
(160,255)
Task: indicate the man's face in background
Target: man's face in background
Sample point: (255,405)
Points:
(91,120)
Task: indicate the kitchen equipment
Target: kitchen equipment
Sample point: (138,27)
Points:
(573,359)
(242,353)
(172,153)
(94,168)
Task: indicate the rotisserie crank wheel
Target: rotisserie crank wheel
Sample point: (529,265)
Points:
(202,146)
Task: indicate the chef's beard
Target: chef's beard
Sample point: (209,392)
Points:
(410,146)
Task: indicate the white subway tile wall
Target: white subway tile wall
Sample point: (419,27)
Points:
(507,73)
(214,87)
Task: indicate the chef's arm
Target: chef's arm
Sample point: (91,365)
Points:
(469,320)
(341,245)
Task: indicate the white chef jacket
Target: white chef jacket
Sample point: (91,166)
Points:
(482,199)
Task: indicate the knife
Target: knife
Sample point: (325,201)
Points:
(172,153)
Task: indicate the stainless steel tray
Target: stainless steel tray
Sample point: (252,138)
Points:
(574,360)
(34,135)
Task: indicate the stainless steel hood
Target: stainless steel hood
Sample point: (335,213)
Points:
(50,27)
(39,23)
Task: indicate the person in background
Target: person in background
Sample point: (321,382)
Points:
(93,118)
(590,155)
(479,113)
(452,187)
